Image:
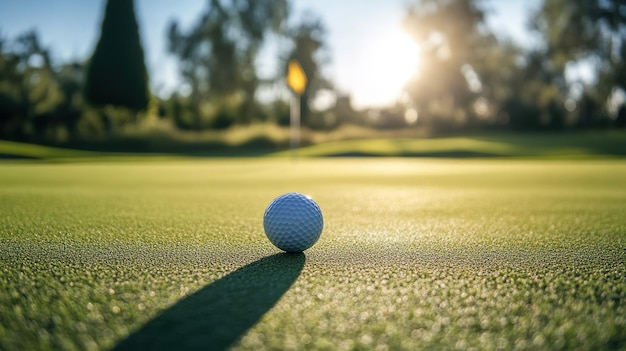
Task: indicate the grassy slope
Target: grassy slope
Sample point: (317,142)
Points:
(415,254)
(577,145)
(538,145)
(11,149)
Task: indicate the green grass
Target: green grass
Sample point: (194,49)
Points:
(11,149)
(570,145)
(415,254)
(532,145)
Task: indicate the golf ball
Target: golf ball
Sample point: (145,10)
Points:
(293,222)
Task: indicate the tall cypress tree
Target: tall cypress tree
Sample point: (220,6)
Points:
(116,73)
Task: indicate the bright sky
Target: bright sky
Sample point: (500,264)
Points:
(363,37)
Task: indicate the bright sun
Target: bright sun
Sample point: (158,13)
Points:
(387,63)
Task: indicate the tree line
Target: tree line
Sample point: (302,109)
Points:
(477,78)
(469,78)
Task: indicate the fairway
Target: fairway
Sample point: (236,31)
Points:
(415,254)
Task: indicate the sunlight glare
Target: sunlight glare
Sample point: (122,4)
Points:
(389,61)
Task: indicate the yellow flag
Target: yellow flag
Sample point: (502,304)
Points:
(296,79)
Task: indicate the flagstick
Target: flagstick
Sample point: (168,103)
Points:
(295,125)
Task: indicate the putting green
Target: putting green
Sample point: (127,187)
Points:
(415,254)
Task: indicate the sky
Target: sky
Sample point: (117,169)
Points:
(362,35)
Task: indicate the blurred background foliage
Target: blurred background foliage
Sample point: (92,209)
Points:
(469,78)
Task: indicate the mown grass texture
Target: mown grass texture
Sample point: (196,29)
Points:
(415,254)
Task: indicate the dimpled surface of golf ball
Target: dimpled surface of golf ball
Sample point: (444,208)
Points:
(293,222)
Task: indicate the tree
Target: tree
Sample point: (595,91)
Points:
(38,101)
(591,31)
(116,73)
(217,57)
(534,102)
(458,54)
(14,106)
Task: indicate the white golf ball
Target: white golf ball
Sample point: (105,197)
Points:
(293,222)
